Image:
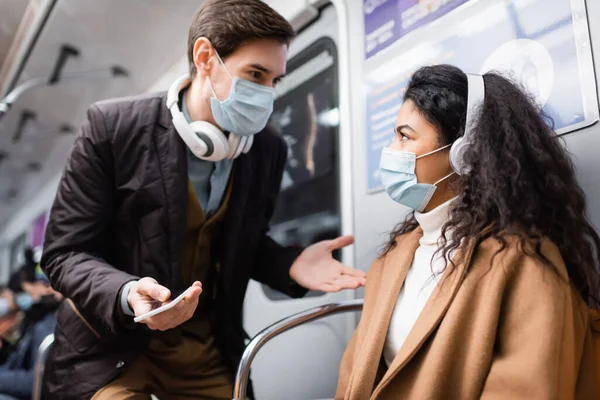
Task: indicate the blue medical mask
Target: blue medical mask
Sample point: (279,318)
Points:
(247,109)
(4,308)
(397,171)
(24,301)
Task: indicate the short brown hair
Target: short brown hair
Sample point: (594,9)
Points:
(228,24)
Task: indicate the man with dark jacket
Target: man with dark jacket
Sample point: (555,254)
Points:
(168,191)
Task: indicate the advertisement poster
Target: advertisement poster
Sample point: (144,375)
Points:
(386,21)
(39,228)
(538,49)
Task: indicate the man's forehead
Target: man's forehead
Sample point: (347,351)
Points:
(269,55)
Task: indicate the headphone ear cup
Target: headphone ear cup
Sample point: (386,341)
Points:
(457,155)
(234,145)
(241,146)
(218,147)
(222,148)
(248,144)
(197,144)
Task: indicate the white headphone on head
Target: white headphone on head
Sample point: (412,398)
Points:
(205,140)
(475,99)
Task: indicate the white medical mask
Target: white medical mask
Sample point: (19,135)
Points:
(247,109)
(24,301)
(397,171)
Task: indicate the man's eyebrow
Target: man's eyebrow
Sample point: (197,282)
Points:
(266,70)
(261,68)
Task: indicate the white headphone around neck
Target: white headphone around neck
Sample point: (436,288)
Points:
(205,140)
(475,99)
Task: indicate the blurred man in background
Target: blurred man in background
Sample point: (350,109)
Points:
(10,318)
(38,302)
(11,315)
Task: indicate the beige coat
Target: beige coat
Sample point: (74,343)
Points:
(515,330)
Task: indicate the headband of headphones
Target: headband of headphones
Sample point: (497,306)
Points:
(475,98)
(175,88)
(198,147)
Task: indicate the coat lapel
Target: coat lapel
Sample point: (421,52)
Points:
(396,266)
(173,167)
(430,317)
(243,172)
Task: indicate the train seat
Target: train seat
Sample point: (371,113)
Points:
(243,372)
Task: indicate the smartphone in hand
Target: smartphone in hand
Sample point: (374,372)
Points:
(163,308)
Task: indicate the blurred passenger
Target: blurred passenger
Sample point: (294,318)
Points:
(483,292)
(12,334)
(9,323)
(174,190)
(38,301)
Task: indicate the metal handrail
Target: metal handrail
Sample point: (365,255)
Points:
(102,73)
(243,372)
(40,366)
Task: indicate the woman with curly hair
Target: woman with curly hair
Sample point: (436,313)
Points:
(485,291)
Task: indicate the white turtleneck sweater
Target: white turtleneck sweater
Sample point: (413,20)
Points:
(420,281)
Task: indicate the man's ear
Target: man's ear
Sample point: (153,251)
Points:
(203,51)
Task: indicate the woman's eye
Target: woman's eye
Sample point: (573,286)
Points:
(255,74)
(403,136)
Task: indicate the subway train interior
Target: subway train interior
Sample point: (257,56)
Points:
(335,108)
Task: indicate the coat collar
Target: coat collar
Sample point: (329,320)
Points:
(395,268)
(164,116)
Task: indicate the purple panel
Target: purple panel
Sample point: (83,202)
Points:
(39,227)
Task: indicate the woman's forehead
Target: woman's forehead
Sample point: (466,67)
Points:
(410,115)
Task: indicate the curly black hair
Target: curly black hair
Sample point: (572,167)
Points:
(522,181)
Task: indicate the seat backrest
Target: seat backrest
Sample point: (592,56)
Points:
(40,366)
(243,372)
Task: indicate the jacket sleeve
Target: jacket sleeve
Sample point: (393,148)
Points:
(15,379)
(17,383)
(273,263)
(540,336)
(76,233)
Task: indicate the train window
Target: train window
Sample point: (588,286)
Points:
(548,52)
(306,115)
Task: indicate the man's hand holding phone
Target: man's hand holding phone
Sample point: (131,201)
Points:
(152,305)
